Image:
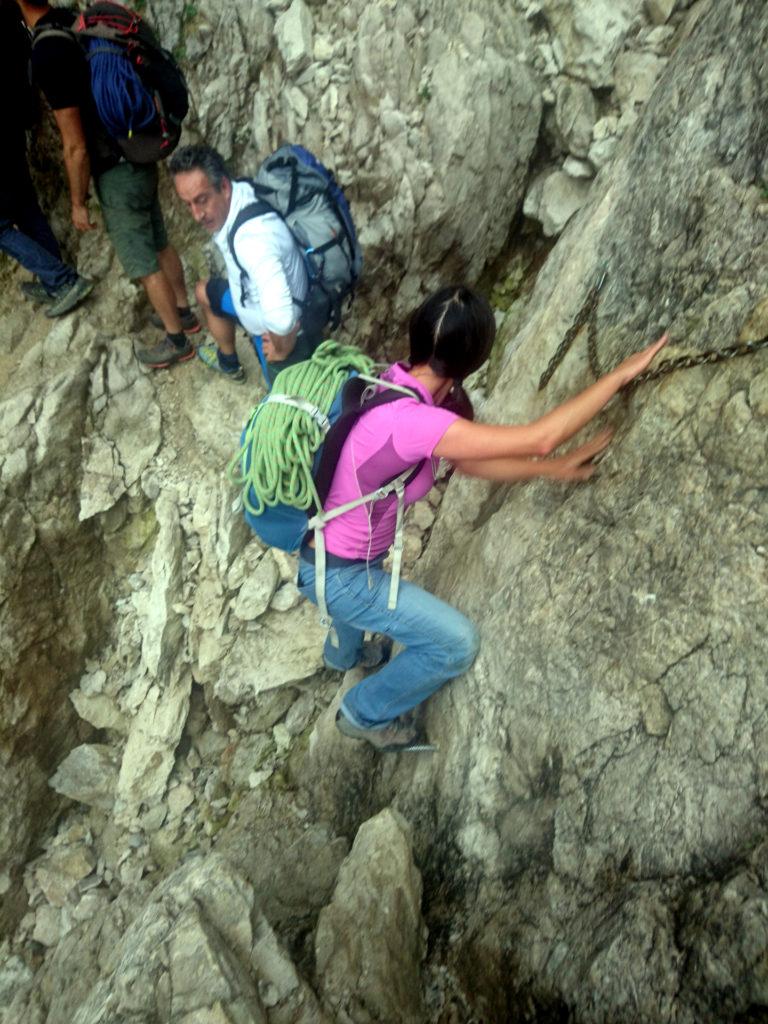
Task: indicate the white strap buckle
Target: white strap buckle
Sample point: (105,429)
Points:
(303,405)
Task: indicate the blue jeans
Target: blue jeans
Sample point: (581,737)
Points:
(29,240)
(440,643)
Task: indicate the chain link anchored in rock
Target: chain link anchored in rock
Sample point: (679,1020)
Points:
(587,316)
(712,355)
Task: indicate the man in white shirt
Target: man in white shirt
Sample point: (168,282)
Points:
(266,278)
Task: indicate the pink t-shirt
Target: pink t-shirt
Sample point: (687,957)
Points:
(383,443)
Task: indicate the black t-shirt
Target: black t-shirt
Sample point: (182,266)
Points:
(16,191)
(19,109)
(60,68)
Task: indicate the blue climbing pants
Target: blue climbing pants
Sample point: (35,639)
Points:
(439,642)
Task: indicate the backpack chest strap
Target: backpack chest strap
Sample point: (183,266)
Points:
(317,415)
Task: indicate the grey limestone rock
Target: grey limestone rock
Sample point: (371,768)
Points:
(659,11)
(606,749)
(370,938)
(258,589)
(88,774)
(199,951)
(293,30)
(161,624)
(125,430)
(554,198)
(591,33)
(284,649)
(575,115)
(636,75)
(605,139)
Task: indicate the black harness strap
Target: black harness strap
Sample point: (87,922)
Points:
(250,212)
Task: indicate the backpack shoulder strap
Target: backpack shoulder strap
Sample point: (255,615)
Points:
(249,212)
(54,32)
(354,404)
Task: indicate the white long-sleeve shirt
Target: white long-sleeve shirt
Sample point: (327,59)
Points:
(273,263)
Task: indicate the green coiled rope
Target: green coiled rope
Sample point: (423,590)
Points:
(280,441)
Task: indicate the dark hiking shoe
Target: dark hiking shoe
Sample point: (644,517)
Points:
(209,354)
(68,297)
(35,292)
(396,736)
(189,322)
(375,654)
(159,357)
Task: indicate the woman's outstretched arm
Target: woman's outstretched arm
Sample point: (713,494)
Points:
(465,440)
(576,465)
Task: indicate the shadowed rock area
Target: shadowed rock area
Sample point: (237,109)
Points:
(187,839)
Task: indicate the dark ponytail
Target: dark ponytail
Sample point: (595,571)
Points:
(452,331)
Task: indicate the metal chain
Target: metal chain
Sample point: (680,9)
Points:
(594,360)
(712,355)
(587,316)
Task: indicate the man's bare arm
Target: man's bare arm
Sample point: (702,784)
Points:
(77,164)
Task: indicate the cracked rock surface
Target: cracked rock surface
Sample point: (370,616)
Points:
(605,756)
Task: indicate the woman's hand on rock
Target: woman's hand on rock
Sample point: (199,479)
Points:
(578,464)
(640,361)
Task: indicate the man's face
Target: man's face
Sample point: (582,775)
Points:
(209,206)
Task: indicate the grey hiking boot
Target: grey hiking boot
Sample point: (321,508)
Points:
(398,735)
(35,291)
(68,297)
(189,322)
(159,357)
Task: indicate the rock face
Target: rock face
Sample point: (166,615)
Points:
(591,33)
(604,757)
(425,113)
(199,951)
(50,574)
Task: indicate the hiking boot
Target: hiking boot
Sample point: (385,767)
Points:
(189,322)
(374,654)
(158,357)
(209,354)
(35,291)
(68,297)
(398,735)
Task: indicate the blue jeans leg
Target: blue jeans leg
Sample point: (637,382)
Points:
(34,257)
(349,650)
(439,642)
(31,220)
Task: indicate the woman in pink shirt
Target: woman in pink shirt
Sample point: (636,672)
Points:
(451,335)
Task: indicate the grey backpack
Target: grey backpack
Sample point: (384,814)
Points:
(294,184)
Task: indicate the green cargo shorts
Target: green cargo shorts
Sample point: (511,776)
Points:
(132,216)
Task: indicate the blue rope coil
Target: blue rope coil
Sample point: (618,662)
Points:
(123,102)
